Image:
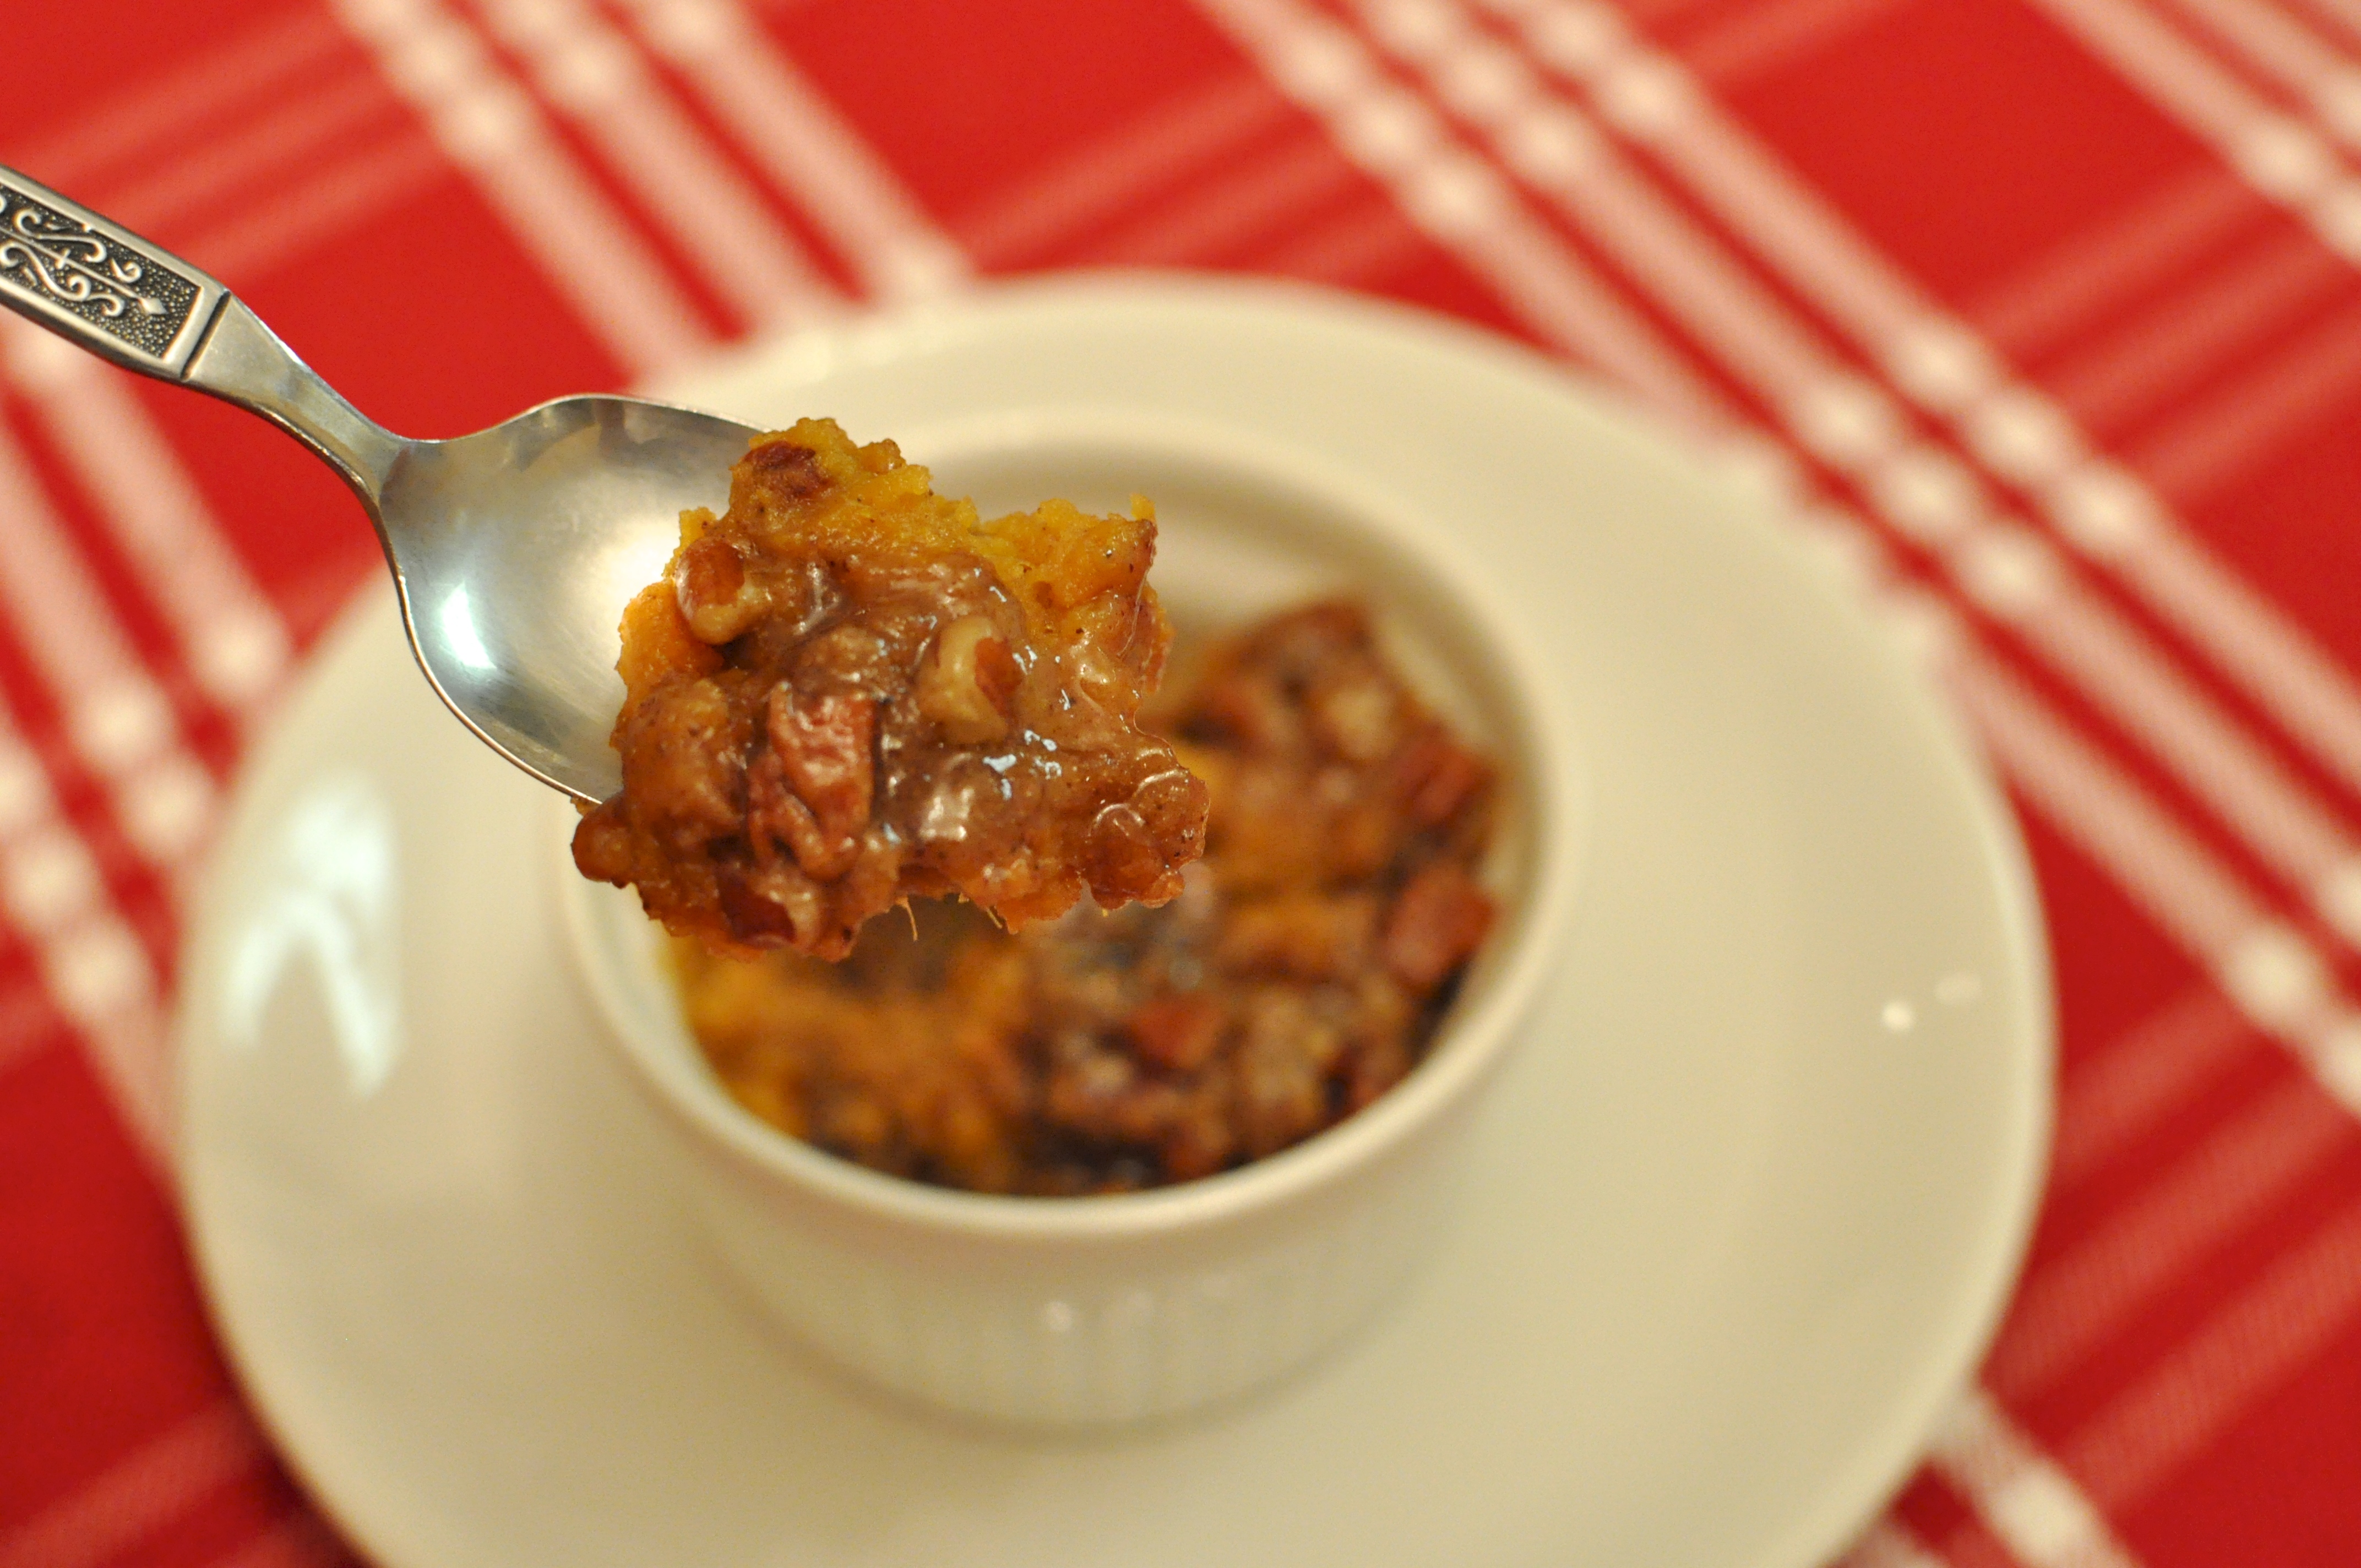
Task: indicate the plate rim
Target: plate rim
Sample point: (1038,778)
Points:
(1847,1503)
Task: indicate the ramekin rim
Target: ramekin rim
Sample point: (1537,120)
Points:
(1463,1054)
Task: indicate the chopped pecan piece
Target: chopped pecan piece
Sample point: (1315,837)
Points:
(810,788)
(849,690)
(1179,1032)
(1295,980)
(968,679)
(717,598)
(1437,923)
(1436,776)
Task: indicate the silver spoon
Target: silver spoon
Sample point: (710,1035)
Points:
(514,549)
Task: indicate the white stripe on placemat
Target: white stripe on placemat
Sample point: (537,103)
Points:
(2270,970)
(589,74)
(2108,1098)
(130,124)
(800,140)
(118,720)
(237,648)
(1357,246)
(321,205)
(2070,1304)
(97,972)
(1460,202)
(2295,1310)
(2280,46)
(2280,157)
(2020,1493)
(2211,445)
(2279,983)
(2031,1502)
(141,1493)
(2342,13)
(1126,164)
(2095,505)
(1764,36)
(1888,1544)
(2311,1292)
(2239,1175)
(1853,425)
(239,198)
(2101,650)
(1258,196)
(1443,190)
(2048,297)
(2016,433)
(30,1022)
(179,182)
(296,1538)
(95,969)
(2273,974)
(587,249)
(2183,341)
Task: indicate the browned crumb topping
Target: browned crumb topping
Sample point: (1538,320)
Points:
(847,690)
(1299,976)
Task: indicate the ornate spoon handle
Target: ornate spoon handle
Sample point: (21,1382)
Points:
(99,284)
(105,289)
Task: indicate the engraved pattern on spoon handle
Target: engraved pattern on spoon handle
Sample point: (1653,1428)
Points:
(99,284)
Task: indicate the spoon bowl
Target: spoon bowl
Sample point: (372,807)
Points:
(513,550)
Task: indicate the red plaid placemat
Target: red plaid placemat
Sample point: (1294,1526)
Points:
(2046,310)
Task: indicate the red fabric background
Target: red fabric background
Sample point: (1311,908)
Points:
(2138,219)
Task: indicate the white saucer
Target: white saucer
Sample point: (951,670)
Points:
(1746,1206)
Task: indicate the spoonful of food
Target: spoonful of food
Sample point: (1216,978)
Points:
(512,549)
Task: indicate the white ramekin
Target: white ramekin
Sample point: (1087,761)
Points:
(1058,1311)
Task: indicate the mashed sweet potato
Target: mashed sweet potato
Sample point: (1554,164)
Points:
(847,690)
(1300,974)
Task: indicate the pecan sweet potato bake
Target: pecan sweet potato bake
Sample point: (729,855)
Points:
(1299,975)
(847,690)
